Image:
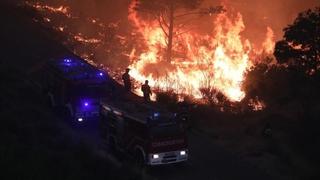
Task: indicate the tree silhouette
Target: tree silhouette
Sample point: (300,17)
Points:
(168,12)
(300,46)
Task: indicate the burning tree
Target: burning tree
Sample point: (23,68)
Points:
(222,53)
(170,16)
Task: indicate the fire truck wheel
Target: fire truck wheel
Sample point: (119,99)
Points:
(139,159)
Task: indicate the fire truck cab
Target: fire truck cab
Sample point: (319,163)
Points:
(74,85)
(145,132)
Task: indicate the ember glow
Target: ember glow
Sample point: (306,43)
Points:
(83,35)
(61,9)
(82,39)
(218,60)
(256,104)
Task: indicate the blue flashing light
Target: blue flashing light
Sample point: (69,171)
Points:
(80,119)
(78,69)
(86,104)
(156,115)
(67,60)
(100,74)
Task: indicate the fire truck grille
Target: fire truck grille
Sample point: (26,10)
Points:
(169,158)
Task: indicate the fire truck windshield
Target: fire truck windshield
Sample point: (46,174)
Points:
(88,91)
(172,129)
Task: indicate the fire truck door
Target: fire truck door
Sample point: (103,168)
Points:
(120,129)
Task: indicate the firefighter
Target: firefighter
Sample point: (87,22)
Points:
(145,88)
(126,80)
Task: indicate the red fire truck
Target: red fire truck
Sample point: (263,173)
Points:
(151,135)
(75,86)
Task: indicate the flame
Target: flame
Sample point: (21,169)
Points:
(61,9)
(268,44)
(47,19)
(218,60)
(79,38)
(256,104)
(61,28)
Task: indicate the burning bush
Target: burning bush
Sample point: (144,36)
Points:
(167,97)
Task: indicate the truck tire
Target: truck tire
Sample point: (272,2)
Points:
(139,159)
(140,166)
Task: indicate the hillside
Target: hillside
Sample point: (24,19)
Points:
(35,143)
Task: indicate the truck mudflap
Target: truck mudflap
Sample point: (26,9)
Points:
(167,157)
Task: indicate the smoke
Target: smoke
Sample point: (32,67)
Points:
(109,11)
(258,15)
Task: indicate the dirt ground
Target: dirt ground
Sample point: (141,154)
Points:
(279,154)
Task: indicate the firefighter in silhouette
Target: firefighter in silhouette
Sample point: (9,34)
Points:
(126,80)
(145,88)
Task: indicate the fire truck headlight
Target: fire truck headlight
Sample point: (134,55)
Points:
(182,153)
(155,156)
(80,119)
